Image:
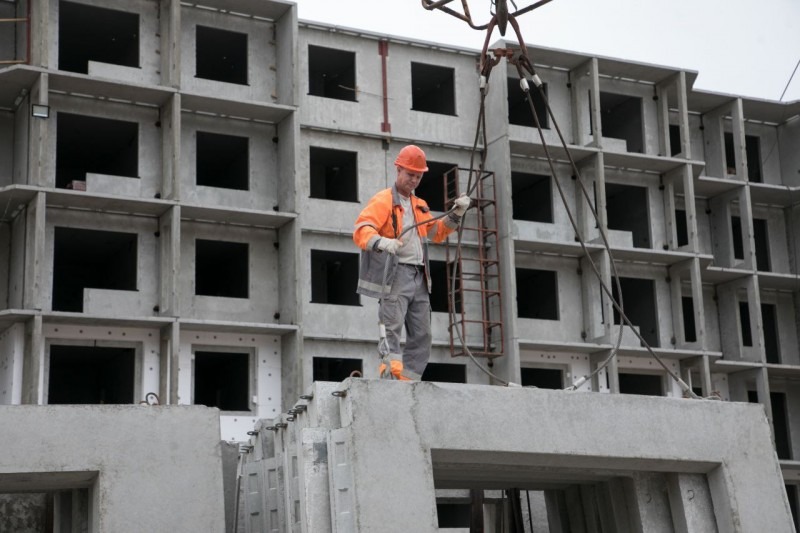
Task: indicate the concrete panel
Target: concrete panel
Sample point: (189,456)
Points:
(162,473)
(261,55)
(560,430)
(12,348)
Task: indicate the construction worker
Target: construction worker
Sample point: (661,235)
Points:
(394,265)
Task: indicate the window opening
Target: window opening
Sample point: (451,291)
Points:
(221,55)
(440,288)
(531,197)
(334,277)
(222,380)
(681,227)
(223,161)
(453,515)
(335,368)
(445,373)
(641,384)
(730,154)
(542,378)
(91,375)
(621,118)
(93,259)
(791,493)
(639,300)
(744,323)
(627,210)
(331,73)
(769,318)
(674,140)
(221,269)
(88,33)
(738,241)
(761,238)
(94,145)
(689,331)
(537,294)
(334,174)
(431,187)
(433,89)
(752,146)
(780,425)
(519,111)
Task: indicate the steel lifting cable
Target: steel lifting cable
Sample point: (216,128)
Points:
(603,285)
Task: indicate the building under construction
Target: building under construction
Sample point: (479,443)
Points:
(178,186)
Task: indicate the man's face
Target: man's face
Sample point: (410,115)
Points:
(407,180)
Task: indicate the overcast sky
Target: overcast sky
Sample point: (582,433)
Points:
(747,48)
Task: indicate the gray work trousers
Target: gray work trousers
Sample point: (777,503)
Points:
(409,304)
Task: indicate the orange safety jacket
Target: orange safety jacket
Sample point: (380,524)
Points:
(383,217)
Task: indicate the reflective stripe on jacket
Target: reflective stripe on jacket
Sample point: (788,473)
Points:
(375,221)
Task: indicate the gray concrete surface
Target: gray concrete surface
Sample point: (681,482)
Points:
(146,468)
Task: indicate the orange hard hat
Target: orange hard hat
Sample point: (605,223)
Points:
(412,158)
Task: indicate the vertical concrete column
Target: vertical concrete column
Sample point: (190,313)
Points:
(676,273)
(585,92)
(683,113)
(748,232)
(668,183)
(690,207)
(171,148)
(170,360)
(40,33)
(33,363)
(714,136)
(286,31)
(721,229)
(170,28)
(690,503)
(35,237)
(737,127)
(39,130)
(169,225)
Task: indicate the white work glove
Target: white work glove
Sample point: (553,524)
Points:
(389,246)
(461,205)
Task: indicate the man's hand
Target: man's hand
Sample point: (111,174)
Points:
(389,246)
(461,205)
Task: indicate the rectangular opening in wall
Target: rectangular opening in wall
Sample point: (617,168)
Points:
(537,294)
(689,331)
(334,277)
(334,174)
(37,510)
(453,515)
(752,146)
(335,368)
(744,324)
(674,140)
(627,210)
(738,240)
(531,197)
(440,288)
(88,33)
(95,145)
(223,161)
(222,380)
(93,259)
(445,373)
(681,227)
(642,384)
(331,73)
(769,318)
(621,118)
(519,110)
(542,378)
(433,89)
(91,375)
(730,154)
(222,268)
(791,493)
(761,238)
(780,425)
(221,55)
(432,186)
(639,305)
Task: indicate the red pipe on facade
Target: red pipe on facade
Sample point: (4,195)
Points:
(383,50)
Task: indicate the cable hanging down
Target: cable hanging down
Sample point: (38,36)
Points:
(522,63)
